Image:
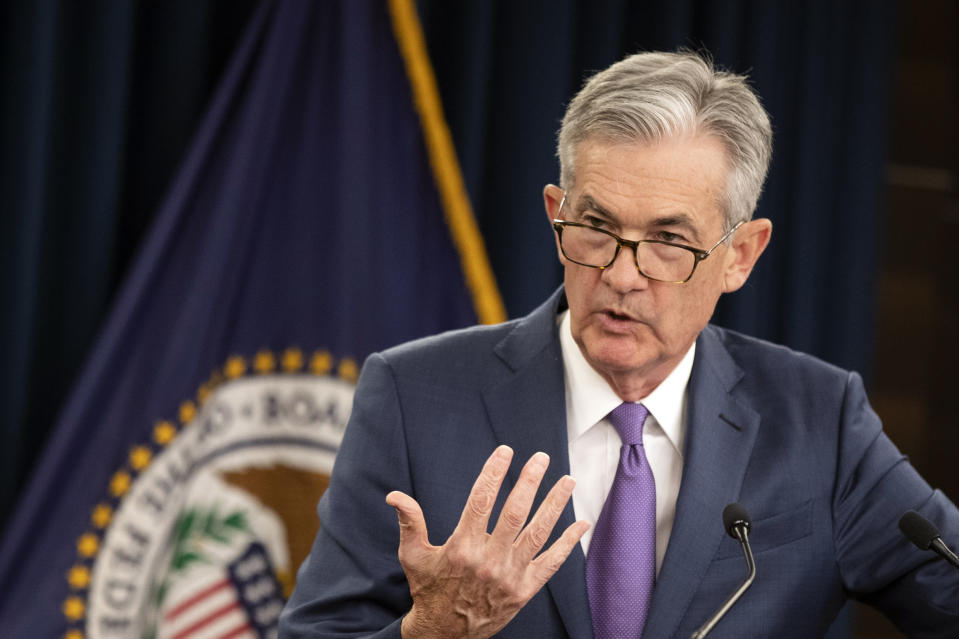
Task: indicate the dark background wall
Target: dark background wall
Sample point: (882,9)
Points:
(917,348)
(98,103)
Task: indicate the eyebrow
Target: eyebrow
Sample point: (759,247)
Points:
(588,203)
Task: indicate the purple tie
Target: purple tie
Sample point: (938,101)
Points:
(621,563)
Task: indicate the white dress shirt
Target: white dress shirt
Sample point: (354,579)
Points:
(594,444)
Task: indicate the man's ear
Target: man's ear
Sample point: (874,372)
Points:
(553,198)
(748,244)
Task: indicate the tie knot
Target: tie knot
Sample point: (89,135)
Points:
(628,419)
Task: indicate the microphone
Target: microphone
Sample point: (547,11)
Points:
(925,535)
(737,524)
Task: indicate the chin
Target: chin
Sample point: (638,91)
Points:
(618,355)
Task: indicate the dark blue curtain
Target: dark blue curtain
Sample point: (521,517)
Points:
(98,101)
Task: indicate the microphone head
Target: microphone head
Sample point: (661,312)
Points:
(918,529)
(734,516)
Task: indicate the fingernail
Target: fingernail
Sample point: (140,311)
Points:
(568,482)
(540,460)
(503,451)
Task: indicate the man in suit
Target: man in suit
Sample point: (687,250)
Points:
(639,421)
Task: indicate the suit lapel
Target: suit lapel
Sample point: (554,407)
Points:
(527,411)
(719,440)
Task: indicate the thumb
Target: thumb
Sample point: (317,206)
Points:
(413,538)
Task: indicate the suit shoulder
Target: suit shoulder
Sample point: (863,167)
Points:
(479,337)
(782,384)
(758,357)
(449,355)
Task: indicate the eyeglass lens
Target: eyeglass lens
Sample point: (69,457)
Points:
(590,247)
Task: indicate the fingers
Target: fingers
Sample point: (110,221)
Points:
(479,504)
(511,529)
(536,534)
(512,518)
(413,536)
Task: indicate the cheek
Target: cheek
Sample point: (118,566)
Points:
(579,295)
(696,308)
(579,282)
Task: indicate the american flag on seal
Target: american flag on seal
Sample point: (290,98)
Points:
(241,602)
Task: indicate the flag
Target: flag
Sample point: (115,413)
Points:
(318,216)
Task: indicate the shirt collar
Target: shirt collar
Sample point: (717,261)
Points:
(589,398)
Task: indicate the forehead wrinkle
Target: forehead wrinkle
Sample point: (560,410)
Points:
(667,180)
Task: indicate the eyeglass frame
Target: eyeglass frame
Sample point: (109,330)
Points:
(698,254)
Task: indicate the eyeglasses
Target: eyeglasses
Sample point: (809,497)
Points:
(655,259)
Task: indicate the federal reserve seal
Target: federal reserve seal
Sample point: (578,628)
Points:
(202,533)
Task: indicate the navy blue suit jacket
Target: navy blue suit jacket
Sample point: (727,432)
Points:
(789,437)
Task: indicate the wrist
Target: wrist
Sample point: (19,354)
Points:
(412,628)
(417,625)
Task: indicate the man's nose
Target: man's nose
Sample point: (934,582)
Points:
(622,275)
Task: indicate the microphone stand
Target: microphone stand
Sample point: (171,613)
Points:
(741,532)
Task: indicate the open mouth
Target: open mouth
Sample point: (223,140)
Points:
(617,316)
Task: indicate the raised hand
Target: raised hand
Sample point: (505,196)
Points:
(476,582)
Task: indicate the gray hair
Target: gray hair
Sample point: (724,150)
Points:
(648,97)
